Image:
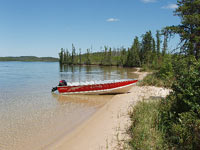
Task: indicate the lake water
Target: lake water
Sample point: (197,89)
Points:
(31,117)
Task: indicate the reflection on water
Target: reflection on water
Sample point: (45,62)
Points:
(75,73)
(30,116)
(87,100)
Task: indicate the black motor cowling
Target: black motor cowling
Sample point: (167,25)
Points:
(62,83)
(54,89)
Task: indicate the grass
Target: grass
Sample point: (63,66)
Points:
(143,131)
(153,80)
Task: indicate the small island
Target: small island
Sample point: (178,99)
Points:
(29,59)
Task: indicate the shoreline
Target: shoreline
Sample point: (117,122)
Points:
(106,127)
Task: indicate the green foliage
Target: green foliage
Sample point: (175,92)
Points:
(107,57)
(146,68)
(164,77)
(144,132)
(73,55)
(154,80)
(158,43)
(187,86)
(29,58)
(61,56)
(105,54)
(110,57)
(189,29)
(166,70)
(123,56)
(186,131)
(88,62)
(180,112)
(165,43)
(144,53)
(80,57)
(133,59)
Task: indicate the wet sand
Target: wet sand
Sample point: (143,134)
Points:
(107,127)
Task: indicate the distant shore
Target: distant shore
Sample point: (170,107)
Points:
(107,127)
(30,59)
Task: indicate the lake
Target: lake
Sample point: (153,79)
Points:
(31,117)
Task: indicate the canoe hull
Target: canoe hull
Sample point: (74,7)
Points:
(108,88)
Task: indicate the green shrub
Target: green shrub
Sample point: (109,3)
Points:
(166,70)
(145,68)
(180,112)
(164,77)
(153,80)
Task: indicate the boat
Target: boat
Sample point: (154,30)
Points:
(95,87)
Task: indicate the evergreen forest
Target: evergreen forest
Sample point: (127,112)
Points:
(148,52)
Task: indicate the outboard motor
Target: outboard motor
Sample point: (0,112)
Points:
(61,83)
(54,89)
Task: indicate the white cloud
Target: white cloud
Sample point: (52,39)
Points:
(148,1)
(170,6)
(112,20)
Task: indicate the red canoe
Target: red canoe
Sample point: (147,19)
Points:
(98,87)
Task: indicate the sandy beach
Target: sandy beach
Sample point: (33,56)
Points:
(106,129)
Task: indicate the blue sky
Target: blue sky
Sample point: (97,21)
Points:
(42,27)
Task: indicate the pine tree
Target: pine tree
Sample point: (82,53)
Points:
(189,29)
(110,57)
(136,50)
(105,55)
(154,55)
(123,56)
(102,56)
(153,46)
(129,60)
(61,56)
(146,51)
(88,62)
(165,44)
(73,54)
(67,57)
(80,60)
(158,42)
(133,59)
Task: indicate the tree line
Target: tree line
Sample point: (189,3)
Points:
(29,58)
(148,52)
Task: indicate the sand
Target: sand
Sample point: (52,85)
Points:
(106,129)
